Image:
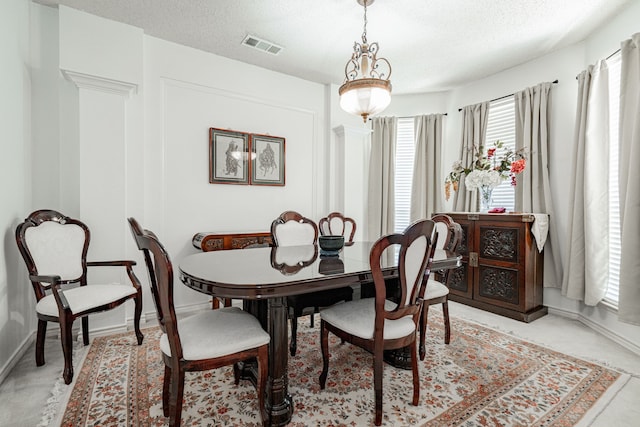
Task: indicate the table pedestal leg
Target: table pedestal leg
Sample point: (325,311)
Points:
(272,314)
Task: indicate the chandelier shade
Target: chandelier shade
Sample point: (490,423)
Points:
(367,88)
(365,97)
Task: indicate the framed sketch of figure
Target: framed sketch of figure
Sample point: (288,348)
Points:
(228,157)
(267,160)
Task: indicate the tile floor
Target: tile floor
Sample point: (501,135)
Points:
(24,393)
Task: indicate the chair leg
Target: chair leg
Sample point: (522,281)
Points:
(176,397)
(137,315)
(377,381)
(423,329)
(85,330)
(293,345)
(236,373)
(67,347)
(324,345)
(311,317)
(166,383)
(263,371)
(42,333)
(447,324)
(416,375)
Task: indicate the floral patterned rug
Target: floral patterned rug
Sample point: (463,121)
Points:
(482,378)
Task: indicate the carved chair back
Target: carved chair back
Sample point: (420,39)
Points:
(293,229)
(53,244)
(336,224)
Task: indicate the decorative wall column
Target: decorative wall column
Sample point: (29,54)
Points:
(349,158)
(101,174)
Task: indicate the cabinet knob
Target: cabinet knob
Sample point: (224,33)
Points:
(473,259)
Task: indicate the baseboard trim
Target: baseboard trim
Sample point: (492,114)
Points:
(613,336)
(16,356)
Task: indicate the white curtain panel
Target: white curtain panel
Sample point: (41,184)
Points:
(382,169)
(584,279)
(428,175)
(629,304)
(533,193)
(474,128)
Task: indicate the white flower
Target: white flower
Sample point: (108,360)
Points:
(457,166)
(478,178)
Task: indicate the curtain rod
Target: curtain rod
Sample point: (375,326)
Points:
(608,57)
(511,94)
(410,117)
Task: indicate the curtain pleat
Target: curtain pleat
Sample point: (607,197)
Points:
(629,183)
(426,185)
(533,193)
(474,127)
(381,200)
(584,279)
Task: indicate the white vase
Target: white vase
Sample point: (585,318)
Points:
(485,198)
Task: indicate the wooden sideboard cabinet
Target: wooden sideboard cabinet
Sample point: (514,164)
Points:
(213,241)
(501,267)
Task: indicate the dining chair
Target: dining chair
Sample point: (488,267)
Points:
(54,248)
(201,342)
(293,229)
(336,224)
(378,324)
(437,291)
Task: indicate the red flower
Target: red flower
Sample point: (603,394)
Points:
(491,152)
(518,166)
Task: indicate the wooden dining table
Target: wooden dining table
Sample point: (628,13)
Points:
(263,278)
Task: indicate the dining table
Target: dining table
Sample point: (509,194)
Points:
(264,277)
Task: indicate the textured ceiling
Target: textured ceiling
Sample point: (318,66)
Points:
(432,45)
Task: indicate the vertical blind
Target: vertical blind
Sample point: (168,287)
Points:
(614,65)
(405,152)
(501,126)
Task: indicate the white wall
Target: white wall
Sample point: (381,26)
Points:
(145,107)
(16,306)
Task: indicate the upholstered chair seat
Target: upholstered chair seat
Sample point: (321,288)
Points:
(435,289)
(85,298)
(202,336)
(358,318)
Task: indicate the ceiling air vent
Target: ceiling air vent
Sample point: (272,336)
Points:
(260,44)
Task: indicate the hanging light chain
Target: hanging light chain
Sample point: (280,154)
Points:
(364,31)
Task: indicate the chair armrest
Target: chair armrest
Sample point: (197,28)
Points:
(119,263)
(53,280)
(57,293)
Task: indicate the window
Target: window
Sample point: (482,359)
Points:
(405,152)
(614,65)
(501,126)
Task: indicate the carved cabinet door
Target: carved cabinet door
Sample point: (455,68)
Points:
(500,263)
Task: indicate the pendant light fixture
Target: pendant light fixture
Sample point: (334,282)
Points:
(367,88)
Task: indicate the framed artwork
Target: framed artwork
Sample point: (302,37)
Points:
(267,160)
(228,157)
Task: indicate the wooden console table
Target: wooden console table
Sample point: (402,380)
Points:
(213,241)
(501,268)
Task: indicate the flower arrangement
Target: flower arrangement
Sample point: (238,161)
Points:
(487,170)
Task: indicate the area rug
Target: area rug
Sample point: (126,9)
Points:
(482,378)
